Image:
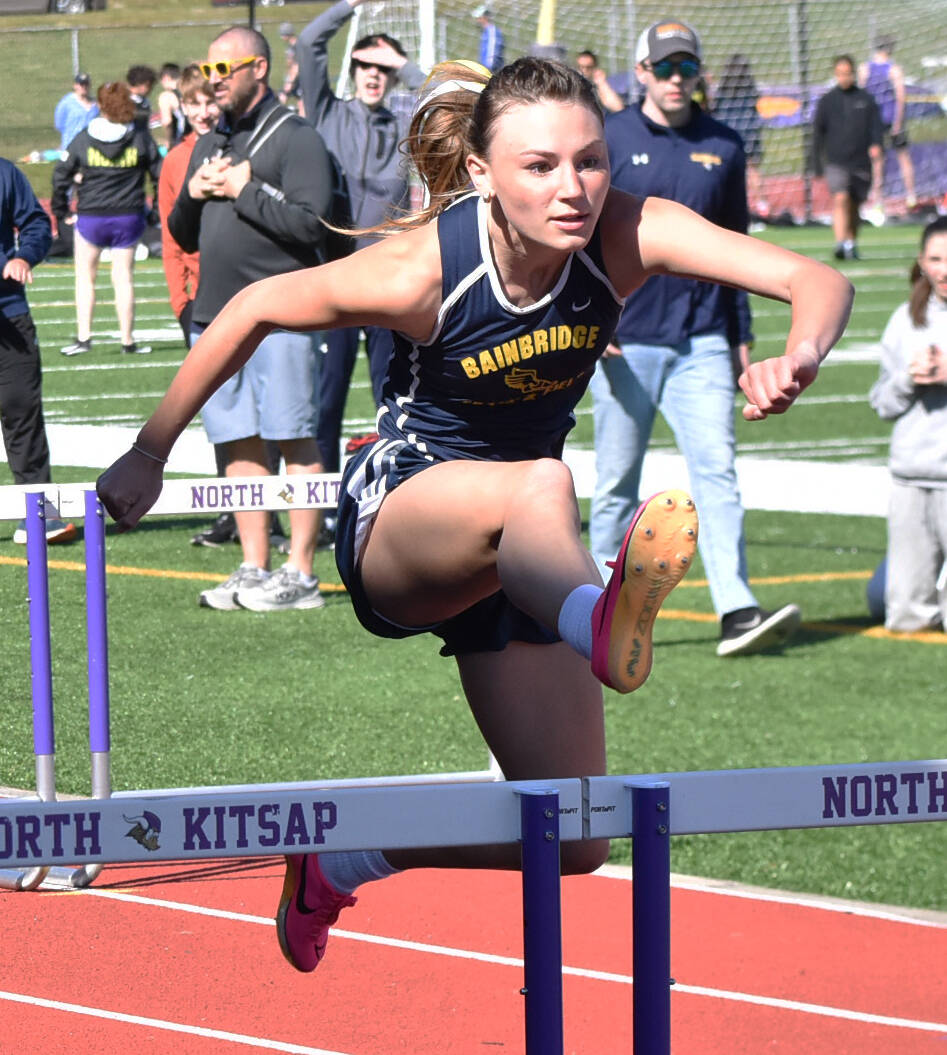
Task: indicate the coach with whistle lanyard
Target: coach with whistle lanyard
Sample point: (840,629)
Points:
(252,202)
(673,345)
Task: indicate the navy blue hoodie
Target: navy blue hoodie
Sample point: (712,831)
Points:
(25,232)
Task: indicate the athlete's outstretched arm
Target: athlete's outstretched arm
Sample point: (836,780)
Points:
(395,283)
(667,238)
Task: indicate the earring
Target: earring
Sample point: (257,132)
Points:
(487,196)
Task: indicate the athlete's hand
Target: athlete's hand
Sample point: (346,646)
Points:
(771,386)
(611,350)
(129,488)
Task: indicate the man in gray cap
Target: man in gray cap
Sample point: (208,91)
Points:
(75,110)
(678,339)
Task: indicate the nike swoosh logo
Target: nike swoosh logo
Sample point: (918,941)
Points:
(581,307)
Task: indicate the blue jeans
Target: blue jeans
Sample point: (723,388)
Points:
(692,385)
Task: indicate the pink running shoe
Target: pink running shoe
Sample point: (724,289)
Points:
(308,907)
(657,551)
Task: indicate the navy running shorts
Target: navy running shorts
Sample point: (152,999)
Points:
(487,626)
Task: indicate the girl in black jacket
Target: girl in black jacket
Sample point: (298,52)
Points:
(107,161)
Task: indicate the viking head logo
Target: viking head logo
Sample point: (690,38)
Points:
(145,829)
(288,494)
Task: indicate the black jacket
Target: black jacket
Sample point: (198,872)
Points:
(273,225)
(113,164)
(847,122)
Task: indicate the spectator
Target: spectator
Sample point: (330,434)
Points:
(674,339)
(491,38)
(885,80)
(141,80)
(170,113)
(74,110)
(846,146)
(289,93)
(586,62)
(110,161)
(252,204)
(25,238)
(462,520)
(911,391)
(362,135)
(734,103)
(182,270)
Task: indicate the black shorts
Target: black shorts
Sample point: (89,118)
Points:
(488,626)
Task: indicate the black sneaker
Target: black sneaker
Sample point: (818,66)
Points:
(750,630)
(326,539)
(839,252)
(136,349)
(222,531)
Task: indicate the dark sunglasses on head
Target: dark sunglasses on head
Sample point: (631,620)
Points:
(224,67)
(666,68)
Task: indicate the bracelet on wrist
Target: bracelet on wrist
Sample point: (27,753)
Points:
(148,454)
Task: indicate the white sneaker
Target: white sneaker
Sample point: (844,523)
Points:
(224,596)
(284,589)
(750,630)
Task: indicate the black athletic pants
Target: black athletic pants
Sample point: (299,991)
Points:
(21,401)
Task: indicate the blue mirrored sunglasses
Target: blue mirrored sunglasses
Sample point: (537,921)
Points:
(666,68)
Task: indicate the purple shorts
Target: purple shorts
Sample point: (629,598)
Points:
(112,232)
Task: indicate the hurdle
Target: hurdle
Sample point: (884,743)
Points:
(176,824)
(178,497)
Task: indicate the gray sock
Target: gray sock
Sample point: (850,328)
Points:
(575,618)
(348,869)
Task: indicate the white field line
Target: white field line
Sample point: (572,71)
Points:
(512,961)
(264,1043)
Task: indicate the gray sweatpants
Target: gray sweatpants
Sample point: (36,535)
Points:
(917,550)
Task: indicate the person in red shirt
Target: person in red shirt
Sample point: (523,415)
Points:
(181,270)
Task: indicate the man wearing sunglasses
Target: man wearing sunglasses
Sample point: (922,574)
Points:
(678,339)
(255,191)
(362,134)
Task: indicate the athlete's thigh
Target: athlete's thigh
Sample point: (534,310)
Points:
(433,543)
(539,708)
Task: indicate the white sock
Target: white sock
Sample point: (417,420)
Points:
(575,618)
(348,869)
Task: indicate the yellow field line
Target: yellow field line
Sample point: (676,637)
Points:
(680,614)
(149,573)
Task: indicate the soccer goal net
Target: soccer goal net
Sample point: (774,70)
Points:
(789,45)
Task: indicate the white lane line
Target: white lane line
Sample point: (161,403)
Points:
(173,1027)
(511,961)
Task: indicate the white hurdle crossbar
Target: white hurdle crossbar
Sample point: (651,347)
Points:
(252,820)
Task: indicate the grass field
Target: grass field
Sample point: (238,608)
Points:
(208,697)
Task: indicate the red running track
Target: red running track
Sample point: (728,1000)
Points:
(184,959)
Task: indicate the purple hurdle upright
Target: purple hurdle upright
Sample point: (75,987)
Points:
(542,922)
(44,743)
(651,916)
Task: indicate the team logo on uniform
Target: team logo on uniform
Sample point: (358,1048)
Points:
(145,829)
(529,383)
(288,494)
(707,160)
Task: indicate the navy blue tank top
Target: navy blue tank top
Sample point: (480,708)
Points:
(495,381)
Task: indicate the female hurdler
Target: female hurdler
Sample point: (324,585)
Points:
(462,519)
